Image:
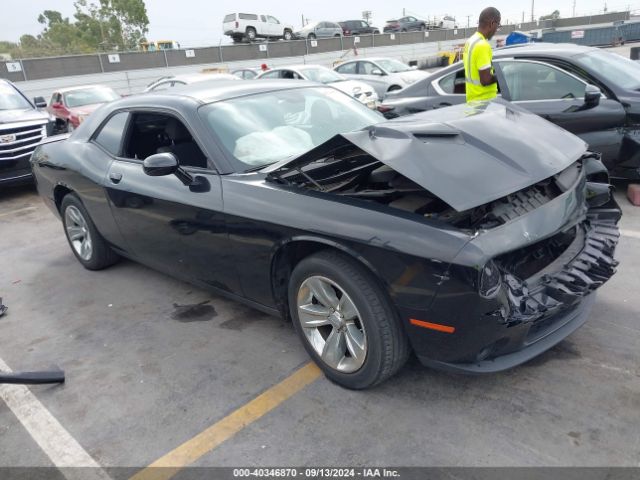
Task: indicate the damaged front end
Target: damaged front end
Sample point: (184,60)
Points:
(535,205)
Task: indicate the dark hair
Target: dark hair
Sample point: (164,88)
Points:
(488,15)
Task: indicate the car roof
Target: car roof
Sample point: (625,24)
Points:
(215,90)
(80,87)
(301,66)
(197,77)
(541,48)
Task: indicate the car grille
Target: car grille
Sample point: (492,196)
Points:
(19,142)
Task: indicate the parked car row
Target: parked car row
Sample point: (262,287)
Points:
(254,26)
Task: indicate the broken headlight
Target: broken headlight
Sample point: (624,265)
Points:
(489,280)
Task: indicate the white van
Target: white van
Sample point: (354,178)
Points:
(252,26)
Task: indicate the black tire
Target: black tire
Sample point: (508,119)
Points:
(387,346)
(102,256)
(311,36)
(251,34)
(288,35)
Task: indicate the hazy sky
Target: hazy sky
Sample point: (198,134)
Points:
(199,22)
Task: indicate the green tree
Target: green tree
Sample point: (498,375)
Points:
(96,26)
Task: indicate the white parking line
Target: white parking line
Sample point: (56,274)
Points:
(63,450)
(630,233)
(19,210)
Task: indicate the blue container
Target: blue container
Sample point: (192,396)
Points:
(515,38)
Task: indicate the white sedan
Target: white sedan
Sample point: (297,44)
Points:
(316,73)
(383,74)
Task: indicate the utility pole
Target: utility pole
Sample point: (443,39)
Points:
(574,8)
(523,16)
(468,17)
(532,10)
(403,14)
(303,20)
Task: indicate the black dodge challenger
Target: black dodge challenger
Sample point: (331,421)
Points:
(474,237)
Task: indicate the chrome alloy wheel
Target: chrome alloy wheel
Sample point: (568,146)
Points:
(332,324)
(78,232)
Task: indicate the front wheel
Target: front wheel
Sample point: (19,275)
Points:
(345,321)
(311,36)
(287,35)
(86,243)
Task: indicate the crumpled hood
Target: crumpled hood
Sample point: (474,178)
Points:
(23,115)
(467,155)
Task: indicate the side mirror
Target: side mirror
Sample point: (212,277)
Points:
(377,71)
(160,164)
(39,102)
(592,95)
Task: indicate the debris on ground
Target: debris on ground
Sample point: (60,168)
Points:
(32,378)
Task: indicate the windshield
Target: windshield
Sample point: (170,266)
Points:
(322,75)
(393,66)
(268,127)
(88,96)
(10,99)
(613,68)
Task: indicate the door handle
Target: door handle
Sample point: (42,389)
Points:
(115,177)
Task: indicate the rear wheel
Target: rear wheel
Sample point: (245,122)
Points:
(345,321)
(86,243)
(287,35)
(311,36)
(251,34)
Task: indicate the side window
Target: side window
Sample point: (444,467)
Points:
(248,16)
(274,74)
(365,68)
(454,83)
(411,19)
(536,81)
(364,25)
(263,18)
(349,68)
(150,133)
(272,19)
(111,133)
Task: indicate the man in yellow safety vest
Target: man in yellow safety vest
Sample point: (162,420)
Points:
(480,79)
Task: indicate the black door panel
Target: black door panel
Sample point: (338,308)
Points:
(173,227)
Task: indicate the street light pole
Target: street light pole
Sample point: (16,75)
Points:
(532,9)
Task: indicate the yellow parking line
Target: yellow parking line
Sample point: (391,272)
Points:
(190,451)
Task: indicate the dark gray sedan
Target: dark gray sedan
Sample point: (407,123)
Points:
(592,93)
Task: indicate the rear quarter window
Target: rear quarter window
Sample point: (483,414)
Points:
(247,16)
(111,133)
(229,18)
